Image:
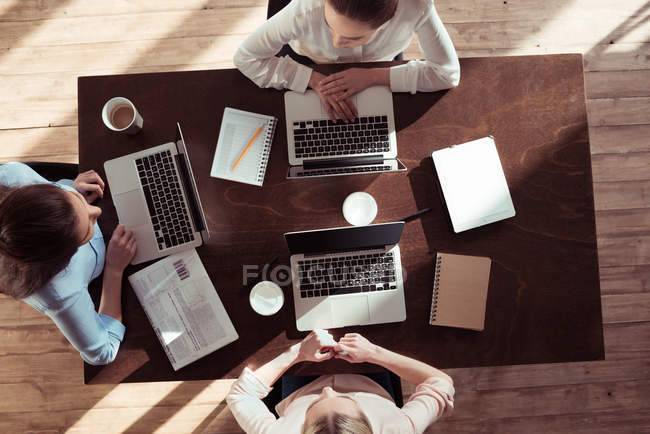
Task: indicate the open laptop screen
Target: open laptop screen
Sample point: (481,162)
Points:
(350,238)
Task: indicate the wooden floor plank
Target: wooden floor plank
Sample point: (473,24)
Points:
(131,27)
(621,195)
(626,308)
(542,33)
(619,139)
(628,222)
(606,422)
(553,400)
(29,10)
(629,166)
(452,11)
(622,250)
(623,237)
(549,374)
(195,418)
(64,396)
(618,111)
(449,10)
(617,84)
(625,279)
(531,32)
(78,58)
(617,57)
(36,339)
(41,369)
(626,341)
(17,313)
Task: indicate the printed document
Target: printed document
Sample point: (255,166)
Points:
(183,307)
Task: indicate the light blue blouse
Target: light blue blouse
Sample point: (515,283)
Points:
(65,298)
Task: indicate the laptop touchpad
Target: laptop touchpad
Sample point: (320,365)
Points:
(350,310)
(131,209)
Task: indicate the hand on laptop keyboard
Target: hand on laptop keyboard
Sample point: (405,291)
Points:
(343,108)
(346,83)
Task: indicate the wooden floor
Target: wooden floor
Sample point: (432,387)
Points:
(46,44)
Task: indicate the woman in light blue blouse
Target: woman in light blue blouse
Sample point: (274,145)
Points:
(51,248)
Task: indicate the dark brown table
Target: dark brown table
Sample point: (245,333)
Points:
(544,294)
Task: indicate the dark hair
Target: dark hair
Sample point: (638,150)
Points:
(37,237)
(372,12)
(337,423)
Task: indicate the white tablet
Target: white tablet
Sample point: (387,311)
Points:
(473,184)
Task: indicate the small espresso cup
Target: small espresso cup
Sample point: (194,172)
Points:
(119,114)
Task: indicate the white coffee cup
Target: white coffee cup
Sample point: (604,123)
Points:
(359,208)
(119,114)
(266,298)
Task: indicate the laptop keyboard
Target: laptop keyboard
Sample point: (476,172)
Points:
(347,274)
(324,138)
(169,216)
(343,171)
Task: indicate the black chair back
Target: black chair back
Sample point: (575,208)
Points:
(54,171)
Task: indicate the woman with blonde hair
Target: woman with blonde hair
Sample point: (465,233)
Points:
(341,403)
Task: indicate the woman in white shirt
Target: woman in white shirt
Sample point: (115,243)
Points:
(344,31)
(343,403)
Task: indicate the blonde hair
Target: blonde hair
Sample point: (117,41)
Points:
(337,423)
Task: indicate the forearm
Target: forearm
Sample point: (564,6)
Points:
(409,369)
(380,76)
(111,301)
(271,371)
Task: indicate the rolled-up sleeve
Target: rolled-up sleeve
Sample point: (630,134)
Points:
(245,402)
(255,58)
(431,399)
(440,68)
(97,337)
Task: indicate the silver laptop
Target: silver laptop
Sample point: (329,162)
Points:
(155,196)
(347,276)
(320,147)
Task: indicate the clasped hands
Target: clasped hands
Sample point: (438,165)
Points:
(336,89)
(320,345)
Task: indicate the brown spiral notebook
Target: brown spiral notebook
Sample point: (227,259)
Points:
(460,289)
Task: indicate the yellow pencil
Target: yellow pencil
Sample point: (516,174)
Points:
(257,133)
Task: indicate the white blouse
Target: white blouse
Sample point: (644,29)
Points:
(302,25)
(431,399)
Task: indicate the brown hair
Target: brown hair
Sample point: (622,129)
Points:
(337,423)
(37,237)
(371,12)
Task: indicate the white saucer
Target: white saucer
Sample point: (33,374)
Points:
(359,208)
(266,298)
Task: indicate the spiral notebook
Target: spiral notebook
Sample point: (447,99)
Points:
(238,127)
(460,288)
